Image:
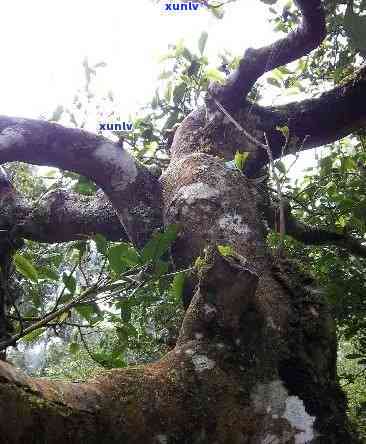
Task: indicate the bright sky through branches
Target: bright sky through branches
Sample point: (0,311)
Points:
(45,42)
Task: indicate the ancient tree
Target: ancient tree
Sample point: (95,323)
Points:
(255,358)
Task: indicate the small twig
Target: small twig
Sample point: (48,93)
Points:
(64,289)
(237,125)
(178,272)
(86,280)
(86,346)
(101,271)
(19,317)
(53,315)
(282,227)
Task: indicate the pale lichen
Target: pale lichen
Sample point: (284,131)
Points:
(197,191)
(202,363)
(11,136)
(162,439)
(270,439)
(299,419)
(233,223)
(209,309)
(272,399)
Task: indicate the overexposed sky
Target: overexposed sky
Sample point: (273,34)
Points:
(45,42)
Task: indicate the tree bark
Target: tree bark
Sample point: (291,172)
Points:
(255,361)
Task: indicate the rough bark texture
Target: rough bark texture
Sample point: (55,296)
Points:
(255,362)
(60,216)
(131,188)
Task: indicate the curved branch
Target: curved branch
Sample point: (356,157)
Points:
(315,236)
(318,236)
(134,192)
(6,187)
(60,216)
(326,119)
(256,62)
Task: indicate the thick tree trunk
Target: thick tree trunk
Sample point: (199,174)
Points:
(256,358)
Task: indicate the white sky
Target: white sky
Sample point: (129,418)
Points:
(45,42)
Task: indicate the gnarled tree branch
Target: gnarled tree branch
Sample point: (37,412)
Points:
(132,189)
(59,216)
(333,115)
(316,236)
(256,62)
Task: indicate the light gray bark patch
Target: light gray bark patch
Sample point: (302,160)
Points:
(233,223)
(197,191)
(121,165)
(202,363)
(273,399)
(299,419)
(9,137)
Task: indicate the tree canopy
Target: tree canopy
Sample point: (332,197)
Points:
(86,247)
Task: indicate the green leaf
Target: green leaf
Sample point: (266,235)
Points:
(25,267)
(101,243)
(160,268)
(74,348)
(56,259)
(85,186)
(123,256)
(159,244)
(48,273)
(226,250)
(348,164)
(63,317)
(218,12)
(91,312)
(353,356)
(280,166)
(283,70)
(125,331)
(240,159)
(125,308)
(178,93)
(285,130)
(215,75)
(177,287)
(66,297)
(355,26)
(81,247)
(69,282)
(277,73)
(168,92)
(33,336)
(202,42)
(185,52)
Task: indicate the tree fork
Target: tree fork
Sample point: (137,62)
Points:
(252,364)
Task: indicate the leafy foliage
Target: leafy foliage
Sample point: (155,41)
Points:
(134,315)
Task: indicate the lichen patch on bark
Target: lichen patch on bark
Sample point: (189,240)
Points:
(273,400)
